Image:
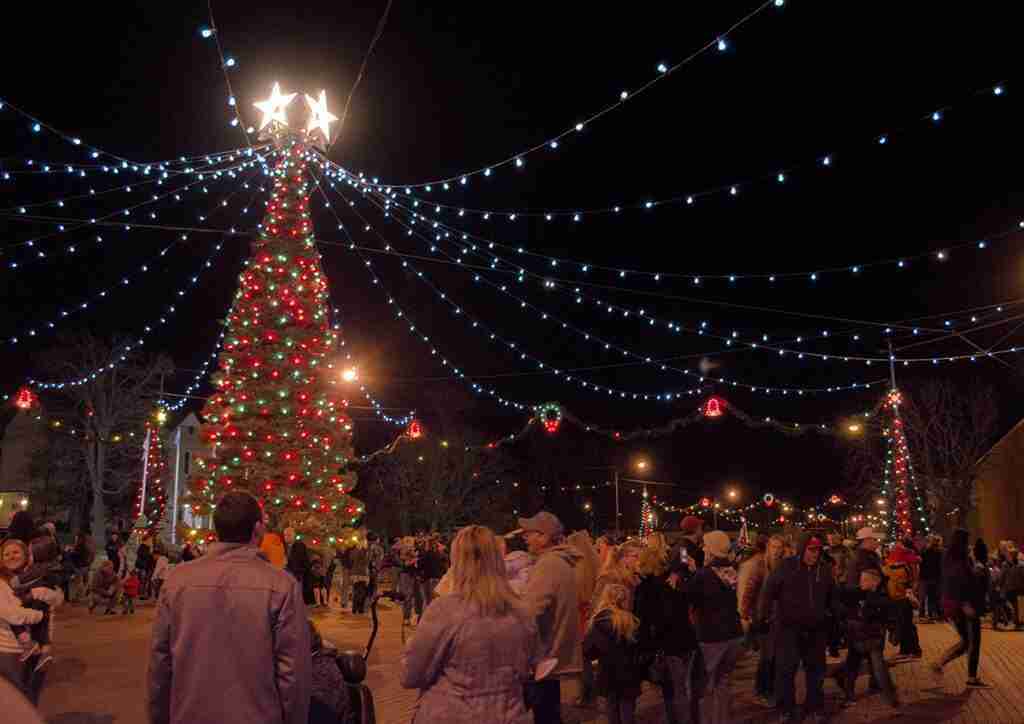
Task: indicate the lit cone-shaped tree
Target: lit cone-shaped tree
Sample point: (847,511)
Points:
(276,425)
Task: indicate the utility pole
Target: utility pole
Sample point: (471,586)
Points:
(892,367)
(618,515)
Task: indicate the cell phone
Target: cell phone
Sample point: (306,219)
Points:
(684,557)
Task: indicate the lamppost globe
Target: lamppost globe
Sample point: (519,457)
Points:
(351,374)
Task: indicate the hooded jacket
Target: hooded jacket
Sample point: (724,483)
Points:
(518,565)
(804,593)
(866,613)
(552,596)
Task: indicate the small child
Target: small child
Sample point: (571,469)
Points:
(319,585)
(868,611)
(611,639)
(130,591)
(160,571)
(37,586)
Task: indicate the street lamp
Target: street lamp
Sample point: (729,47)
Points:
(642,465)
(733,493)
(351,374)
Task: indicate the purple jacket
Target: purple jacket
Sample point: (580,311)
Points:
(230,643)
(470,669)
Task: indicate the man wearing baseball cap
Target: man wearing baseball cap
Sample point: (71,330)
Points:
(801,594)
(866,556)
(551,593)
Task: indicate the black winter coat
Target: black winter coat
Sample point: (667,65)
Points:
(866,613)
(620,668)
(931,565)
(714,602)
(693,551)
(664,618)
(804,594)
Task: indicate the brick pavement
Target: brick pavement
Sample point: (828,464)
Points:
(99,677)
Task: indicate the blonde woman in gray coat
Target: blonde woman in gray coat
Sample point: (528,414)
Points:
(476,647)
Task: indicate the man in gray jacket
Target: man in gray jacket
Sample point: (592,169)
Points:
(552,594)
(230,640)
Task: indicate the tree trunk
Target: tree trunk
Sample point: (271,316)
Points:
(98,514)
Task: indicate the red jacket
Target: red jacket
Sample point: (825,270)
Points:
(131,586)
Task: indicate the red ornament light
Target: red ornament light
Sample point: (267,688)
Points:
(714,407)
(705,502)
(25,398)
(415,430)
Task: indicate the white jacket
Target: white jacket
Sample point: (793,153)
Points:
(12,613)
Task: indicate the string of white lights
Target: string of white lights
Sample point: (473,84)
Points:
(778,177)
(36,125)
(122,355)
(444,233)
(594,339)
(227,63)
(674,327)
(69,225)
(721,43)
(517,349)
(694,279)
(23,208)
(124,282)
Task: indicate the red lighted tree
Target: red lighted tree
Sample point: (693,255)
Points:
(276,425)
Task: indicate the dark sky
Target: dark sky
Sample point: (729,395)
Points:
(458,86)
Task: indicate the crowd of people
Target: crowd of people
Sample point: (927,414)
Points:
(502,622)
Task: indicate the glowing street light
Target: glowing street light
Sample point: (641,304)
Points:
(351,374)
(733,494)
(642,465)
(853,428)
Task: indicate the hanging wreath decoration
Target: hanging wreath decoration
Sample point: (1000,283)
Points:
(550,414)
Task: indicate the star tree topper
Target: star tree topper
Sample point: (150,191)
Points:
(320,119)
(273,108)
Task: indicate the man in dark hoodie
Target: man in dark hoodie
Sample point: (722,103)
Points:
(803,588)
(552,595)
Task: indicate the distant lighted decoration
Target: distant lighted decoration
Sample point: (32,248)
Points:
(768,499)
(895,397)
(714,407)
(835,500)
(705,502)
(160,416)
(550,414)
(415,430)
(25,398)
(273,108)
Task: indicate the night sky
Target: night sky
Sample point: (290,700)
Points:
(458,86)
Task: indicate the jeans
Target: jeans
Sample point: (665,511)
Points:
(345,587)
(409,587)
(129,604)
(932,606)
(909,643)
(719,661)
(621,710)
(969,630)
(873,652)
(793,648)
(764,679)
(546,697)
(12,668)
(680,704)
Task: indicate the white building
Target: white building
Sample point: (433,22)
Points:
(183,444)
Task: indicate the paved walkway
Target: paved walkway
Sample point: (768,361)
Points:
(99,677)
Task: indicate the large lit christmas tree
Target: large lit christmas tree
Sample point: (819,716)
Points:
(906,513)
(276,425)
(646,517)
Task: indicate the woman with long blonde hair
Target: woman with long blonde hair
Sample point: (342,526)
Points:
(475,647)
(612,639)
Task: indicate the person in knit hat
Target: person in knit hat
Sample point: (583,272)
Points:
(712,594)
